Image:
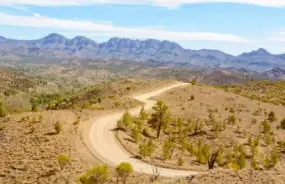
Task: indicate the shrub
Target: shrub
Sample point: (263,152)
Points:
(34,102)
(58,127)
(201,158)
(254,164)
(266,162)
(283,124)
(124,170)
(242,161)
(77,121)
(194,82)
(168,149)
(126,121)
(180,161)
(96,175)
(265,126)
(256,141)
(220,160)
(192,97)
(232,110)
(41,118)
(146,149)
(274,158)
(254,151)
(143,114)
(117,103)
(136,135)
(268,139)
(272,117)
(232,119)
(63,160)
(183,145)
(3,110)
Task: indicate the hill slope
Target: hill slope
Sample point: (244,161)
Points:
(58,46)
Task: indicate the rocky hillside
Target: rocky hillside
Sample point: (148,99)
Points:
(58,46)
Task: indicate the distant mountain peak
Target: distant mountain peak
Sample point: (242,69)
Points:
(262,50)
(55,35)
(258,52)
(2,38)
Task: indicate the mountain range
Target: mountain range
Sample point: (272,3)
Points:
(58,46)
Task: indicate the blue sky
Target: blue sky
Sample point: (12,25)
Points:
(195,24)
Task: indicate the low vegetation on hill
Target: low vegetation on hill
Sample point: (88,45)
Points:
(13,82)
(202,128)
(105,95)
(265,91)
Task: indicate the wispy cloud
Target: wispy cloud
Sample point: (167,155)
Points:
(100,29)
(277,36)
(162,3)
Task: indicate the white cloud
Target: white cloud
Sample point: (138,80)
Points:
(37,15)
(101,29)
(277,37)
(162,3)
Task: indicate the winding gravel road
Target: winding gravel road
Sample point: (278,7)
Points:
(106,147)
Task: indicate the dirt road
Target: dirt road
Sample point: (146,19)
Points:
(104,145)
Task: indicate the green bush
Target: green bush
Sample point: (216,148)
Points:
(136,135)
(143,114)
(180,161)
(126,121)
(63,160)
(254,164)
(282,123)
(232,119)
(272,117)
(242,161)
(124,170)
(168,149)
(96,175)
(146,149)
(58,127)
(265,126)
(3,110)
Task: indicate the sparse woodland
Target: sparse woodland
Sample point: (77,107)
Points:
(189,131)
(233,129)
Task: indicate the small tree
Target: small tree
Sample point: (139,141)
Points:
(212,159)
(58,127)
(124,170)
(168,149)
(146,149)
(180,161)
(96,175)
(143,114)
(136,135)
(194,82)
(63,160)
(272,117)
(265,126)
(126,121)
(254,164)
(242,161)
(3,110)
(274,158)
(35,104)
(160,118)
(283,124)
(232,119)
